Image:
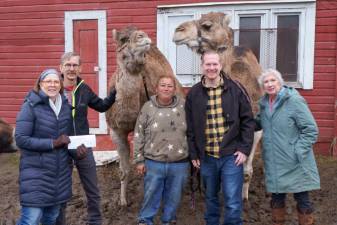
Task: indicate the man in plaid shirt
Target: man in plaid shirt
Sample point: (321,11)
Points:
(220,133)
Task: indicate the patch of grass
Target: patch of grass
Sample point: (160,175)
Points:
(322,159)
(10,159)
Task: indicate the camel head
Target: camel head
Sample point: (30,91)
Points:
(132,45)
(187,34)
(210,32)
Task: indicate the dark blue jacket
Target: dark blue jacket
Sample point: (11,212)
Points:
(45,173)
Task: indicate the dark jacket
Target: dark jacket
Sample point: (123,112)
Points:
(236,111)
(84,98)
(45,173)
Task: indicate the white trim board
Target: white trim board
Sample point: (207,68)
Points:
(234,3)
(100,15)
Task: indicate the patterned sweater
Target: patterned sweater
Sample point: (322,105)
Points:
(160,132)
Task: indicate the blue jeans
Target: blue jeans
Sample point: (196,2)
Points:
(302,199)
(162,181)
(222,172)
(87,171)
(35,216)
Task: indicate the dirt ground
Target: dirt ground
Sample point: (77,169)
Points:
(256,212)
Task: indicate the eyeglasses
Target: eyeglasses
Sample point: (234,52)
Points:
(68,66)
(50,82)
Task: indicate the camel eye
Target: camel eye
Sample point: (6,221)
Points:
(180,28)
(124,40)
(140,36)
(206,25)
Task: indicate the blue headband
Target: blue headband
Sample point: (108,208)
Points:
(47,72)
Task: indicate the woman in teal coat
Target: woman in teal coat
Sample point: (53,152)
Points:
(289,131)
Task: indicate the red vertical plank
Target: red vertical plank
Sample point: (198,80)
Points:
(86,44)
(335,106)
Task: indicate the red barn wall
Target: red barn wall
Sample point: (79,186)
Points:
(32,38)
(323,97)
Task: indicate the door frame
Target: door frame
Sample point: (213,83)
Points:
(100,16)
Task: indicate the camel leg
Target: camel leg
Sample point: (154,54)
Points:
(248,165)
(121,139)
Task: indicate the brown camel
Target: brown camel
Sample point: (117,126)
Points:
(212,32)
(139,64)
(6,137)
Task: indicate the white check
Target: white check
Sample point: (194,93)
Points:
(88,140)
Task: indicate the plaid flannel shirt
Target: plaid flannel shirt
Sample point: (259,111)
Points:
(215,123)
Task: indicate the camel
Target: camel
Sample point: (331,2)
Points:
(6,137)
(139,64)
(212,33)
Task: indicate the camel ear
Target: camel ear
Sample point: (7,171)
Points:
(114,34)
(226,20)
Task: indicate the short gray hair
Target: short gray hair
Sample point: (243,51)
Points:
(66,56)
(270,71)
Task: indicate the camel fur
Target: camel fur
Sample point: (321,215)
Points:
(212,33)
(6,137)
(139,65)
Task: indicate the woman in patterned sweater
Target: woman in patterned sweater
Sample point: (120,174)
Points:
(160,152)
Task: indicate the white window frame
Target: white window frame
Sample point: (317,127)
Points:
(264,24)
(268,10)
(100,16)
(166,45)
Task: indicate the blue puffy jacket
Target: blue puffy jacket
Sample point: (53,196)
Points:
(45,173)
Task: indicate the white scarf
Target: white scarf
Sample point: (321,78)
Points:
(56,107)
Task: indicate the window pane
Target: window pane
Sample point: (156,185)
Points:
(287,46)
(186,66)
(250,34)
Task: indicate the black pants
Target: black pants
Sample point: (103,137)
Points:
(302,199)
(87,171)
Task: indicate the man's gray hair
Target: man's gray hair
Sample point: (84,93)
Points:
(273,72)
(66,56)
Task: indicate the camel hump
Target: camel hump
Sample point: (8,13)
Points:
(160,59)
(241,51)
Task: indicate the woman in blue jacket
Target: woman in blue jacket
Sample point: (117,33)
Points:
(289,131)
(41,132)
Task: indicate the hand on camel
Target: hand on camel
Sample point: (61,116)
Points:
(141,169)
(240,158)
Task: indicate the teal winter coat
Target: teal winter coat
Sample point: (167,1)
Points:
(289,132)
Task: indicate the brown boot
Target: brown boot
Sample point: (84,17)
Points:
(278,216)
(305,217)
